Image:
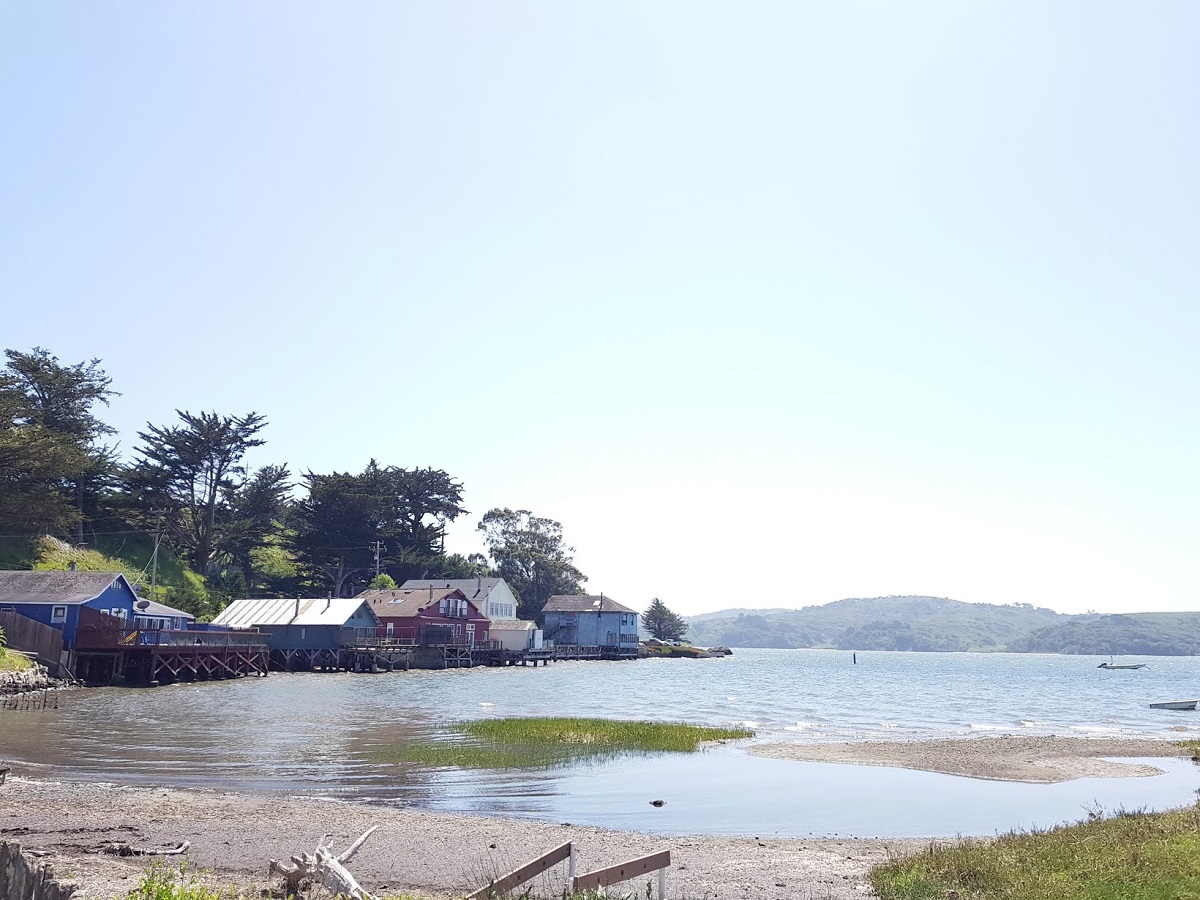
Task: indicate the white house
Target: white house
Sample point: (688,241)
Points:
(491,596)
(516,635)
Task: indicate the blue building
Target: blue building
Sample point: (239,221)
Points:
(582,620)
(305,633)
(58,598)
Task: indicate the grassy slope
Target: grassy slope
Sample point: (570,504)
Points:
(129,554)
(13,662)
(1132,856)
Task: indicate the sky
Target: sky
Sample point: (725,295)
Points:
(769,304)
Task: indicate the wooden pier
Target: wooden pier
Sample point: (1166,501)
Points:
(105,654)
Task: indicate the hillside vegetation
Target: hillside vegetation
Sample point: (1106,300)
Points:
(936,623)
(177,585)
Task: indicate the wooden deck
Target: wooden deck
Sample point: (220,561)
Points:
(108,654)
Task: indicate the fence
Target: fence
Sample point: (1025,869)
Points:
(23,633)
(591,881)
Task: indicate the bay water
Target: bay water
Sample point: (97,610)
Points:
(323,735)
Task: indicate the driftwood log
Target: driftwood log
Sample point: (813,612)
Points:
(325,869)
(120,848)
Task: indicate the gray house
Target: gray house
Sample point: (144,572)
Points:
(583,620)
(304,633)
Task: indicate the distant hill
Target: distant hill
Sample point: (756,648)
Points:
(1145,634)
(937,623)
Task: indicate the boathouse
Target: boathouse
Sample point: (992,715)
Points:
(516,635)
(584,625)
(307,633)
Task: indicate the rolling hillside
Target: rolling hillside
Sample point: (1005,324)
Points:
(936,623)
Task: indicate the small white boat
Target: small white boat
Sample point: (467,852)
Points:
(1131,666)
(1175,704)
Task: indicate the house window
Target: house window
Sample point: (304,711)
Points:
(58,614)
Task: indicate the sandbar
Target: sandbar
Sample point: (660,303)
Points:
(1029,758)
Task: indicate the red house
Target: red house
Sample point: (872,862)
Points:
(425,616)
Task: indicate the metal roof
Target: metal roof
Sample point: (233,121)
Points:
(399,603)
(584,603)
(513,625)
(153,608)
(251,612)
(59,587)
(474,589)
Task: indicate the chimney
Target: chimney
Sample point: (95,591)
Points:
(328,600)
(297,615)
(478,584)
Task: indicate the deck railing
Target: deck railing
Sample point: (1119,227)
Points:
(88,638)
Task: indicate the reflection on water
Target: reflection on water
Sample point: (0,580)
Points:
(324,734)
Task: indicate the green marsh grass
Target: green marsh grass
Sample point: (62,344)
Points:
(1128,856)
(545,743)
(164,882)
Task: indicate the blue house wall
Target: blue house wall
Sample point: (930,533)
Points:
(593,629)
(118,596)
(304,637)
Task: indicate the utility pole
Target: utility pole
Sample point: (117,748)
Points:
(154,558)
(378,548)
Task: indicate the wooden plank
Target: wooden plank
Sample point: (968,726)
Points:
(502,886)
(622,871)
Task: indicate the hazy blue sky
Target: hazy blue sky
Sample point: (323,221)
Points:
(768,303)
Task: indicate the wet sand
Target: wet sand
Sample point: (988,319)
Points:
(233,836)
(414,852)
(1039,759)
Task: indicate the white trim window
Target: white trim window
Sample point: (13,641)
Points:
(58,614)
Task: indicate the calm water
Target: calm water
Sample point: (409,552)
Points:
(317,734)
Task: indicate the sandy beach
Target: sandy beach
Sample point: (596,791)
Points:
(414,852)
(1035,759)
(233,836)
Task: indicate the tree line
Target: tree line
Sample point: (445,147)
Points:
(240,532)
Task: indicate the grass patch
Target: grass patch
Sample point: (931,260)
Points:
(13,662)
(545,743)
(1128,856)
(163,882)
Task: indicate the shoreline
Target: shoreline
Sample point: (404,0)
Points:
(426,854)
(234,834)
(1032,759)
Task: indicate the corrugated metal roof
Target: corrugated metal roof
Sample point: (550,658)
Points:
(24,586)
(251,612)
(584,603)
